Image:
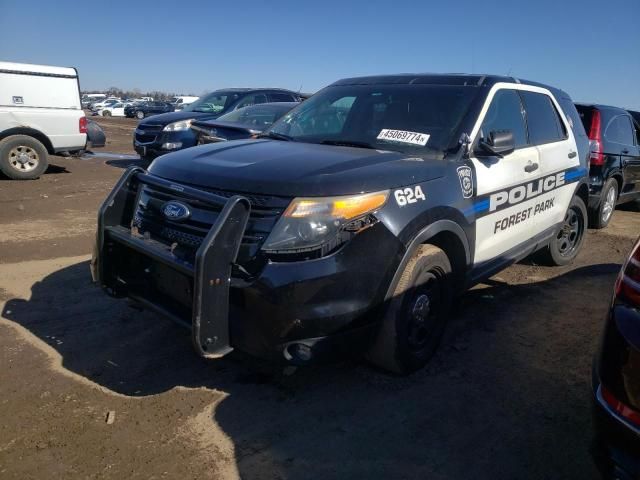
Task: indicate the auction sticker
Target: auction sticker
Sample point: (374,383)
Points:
(403,136)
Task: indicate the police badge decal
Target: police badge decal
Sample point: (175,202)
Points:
(466,181)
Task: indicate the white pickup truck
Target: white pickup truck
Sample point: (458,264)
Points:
(40,114)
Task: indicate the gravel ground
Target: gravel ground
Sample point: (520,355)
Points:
(91,388)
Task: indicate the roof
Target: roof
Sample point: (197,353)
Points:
(41,69)
(599,106)
(451,79)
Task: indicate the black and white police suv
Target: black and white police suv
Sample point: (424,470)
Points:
(354,220)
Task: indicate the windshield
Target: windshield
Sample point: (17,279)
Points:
(216,102)
(403,118)
(257,116)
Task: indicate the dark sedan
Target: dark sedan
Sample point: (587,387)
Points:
(245,122)
(146,109)
(616,379)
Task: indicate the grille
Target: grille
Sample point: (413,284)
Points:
(189,234)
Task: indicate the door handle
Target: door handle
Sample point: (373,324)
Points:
(530,167)
(572,154)
(625,152)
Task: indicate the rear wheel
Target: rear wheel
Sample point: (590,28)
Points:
(568,240)
(416,316)
(139,114)
(22,157)
(601,216)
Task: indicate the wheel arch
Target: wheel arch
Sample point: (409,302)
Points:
(583,192)
(31,132)
(444,234)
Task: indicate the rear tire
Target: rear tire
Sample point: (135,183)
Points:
(139,115)
(23,157)
(415,318)
(568,240)
(601,216)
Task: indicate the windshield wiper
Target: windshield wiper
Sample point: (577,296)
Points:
(348,143)
(276,136)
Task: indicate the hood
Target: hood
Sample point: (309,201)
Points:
(167,118)
(294,169)
(209,124)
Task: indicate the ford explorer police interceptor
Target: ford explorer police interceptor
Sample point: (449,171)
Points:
(354,220)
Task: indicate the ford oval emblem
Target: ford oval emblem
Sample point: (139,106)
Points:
(175,211)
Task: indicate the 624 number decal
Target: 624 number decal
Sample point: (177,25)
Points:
(408,195)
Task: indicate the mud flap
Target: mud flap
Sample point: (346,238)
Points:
(214,260)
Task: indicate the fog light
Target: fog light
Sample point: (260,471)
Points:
(172,145)
(298,353)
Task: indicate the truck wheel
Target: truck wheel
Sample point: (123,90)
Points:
(22,157)
(416,316)
(601,216)
(569,238)
(139,115)
(106,113)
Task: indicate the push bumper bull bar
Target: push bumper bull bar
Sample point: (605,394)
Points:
(209,273)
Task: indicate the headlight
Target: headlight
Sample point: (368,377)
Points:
(313,223)
(178,126)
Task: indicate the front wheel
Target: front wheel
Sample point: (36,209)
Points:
(22,157)
(106,113)
(417,313)
(139,115)
(569,237)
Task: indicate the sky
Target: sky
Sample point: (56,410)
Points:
(591,49)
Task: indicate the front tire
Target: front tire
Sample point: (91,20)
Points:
(22,157)
(417,313)
(601,216)
(568,240)
(139,115)
(106,113)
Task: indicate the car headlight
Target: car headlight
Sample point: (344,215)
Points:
(322,223)
(178,126)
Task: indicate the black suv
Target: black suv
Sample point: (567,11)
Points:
(171,132)
(354,220)
(615,160)
(144,109)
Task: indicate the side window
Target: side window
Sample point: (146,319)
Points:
(543,120)
(505,113)
(620,130)
(252,100)
(281,97)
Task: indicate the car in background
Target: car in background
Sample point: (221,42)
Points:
(89,98)
(113,110)
(246,122)
(141,110)
(614,173)
(180,102)
(616,379)
(171,132)
(94,107)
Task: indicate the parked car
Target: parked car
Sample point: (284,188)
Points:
(113,110)
(145,109)
(171,132)
(616,379)
(96,106)
(615,160)
(95,135)
(180,102)
(40,114)
(353,222)
(245,122)
(89,98)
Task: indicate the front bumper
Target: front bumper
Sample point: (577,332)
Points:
(294,311)
(153,143)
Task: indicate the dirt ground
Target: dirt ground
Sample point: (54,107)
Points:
(507,395)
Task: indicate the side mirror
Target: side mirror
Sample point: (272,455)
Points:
(499,143)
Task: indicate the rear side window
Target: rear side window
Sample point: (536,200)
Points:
(505,113)
(543,121)
(253,100)
(281,97)
(620,130)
